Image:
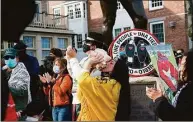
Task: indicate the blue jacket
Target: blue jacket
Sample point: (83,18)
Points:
(32,65)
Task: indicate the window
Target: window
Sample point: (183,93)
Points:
(10,44)
(31,52)
(70,12)
(57,15)
(62,43)
(117,31)
(46,42)
(79,40)
(37,8)
(118,5)
(73,42)
(127,28)
(77,11)
(37,15)
(85,36)
(46,45)
(157,28)
(155,4)
(45,53)
(29,41)
(84,9)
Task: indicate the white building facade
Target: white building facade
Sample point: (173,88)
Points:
(123,21)
(76,12)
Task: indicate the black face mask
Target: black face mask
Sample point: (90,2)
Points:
(86,48)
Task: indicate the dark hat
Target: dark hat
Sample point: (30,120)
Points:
(97,39)
(94,37)
(10,52)
(20,46)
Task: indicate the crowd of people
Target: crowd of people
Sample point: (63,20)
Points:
(64,89)
(94,89)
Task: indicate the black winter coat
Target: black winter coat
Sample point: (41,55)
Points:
(183,110)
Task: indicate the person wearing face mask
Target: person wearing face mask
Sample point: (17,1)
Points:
(32,65)
(181,108)
(92,42)
(19,82)
(47,67)
(105,97)
(59,90)
(8,112)
(48,61)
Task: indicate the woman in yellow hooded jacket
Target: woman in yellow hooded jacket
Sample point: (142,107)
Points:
(103,98)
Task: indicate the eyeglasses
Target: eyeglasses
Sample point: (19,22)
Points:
(9,57)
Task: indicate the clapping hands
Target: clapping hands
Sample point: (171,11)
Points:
(154,93)
(46,78)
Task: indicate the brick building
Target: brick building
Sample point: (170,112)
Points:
(52,28)
(166,19)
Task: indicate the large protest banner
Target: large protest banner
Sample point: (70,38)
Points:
(163,60)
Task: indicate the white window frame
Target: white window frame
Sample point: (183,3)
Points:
(84,9)
(157,22)
(46,49)
(124,29)
(34,38)
(155,8)
(73,41)
(115,31)
(79,7)
(50,43)
(118,5)
(34,46)
(70,14)
(65,40)
(57,19)
(78,41)
(73,14)
(38,16)
(40,5)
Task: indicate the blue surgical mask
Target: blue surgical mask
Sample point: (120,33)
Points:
(56,69)
(122,53)
(11,63)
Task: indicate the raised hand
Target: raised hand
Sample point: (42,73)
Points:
(42,79)
(48,77)
(154,93)
(95,58)
(70,52)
